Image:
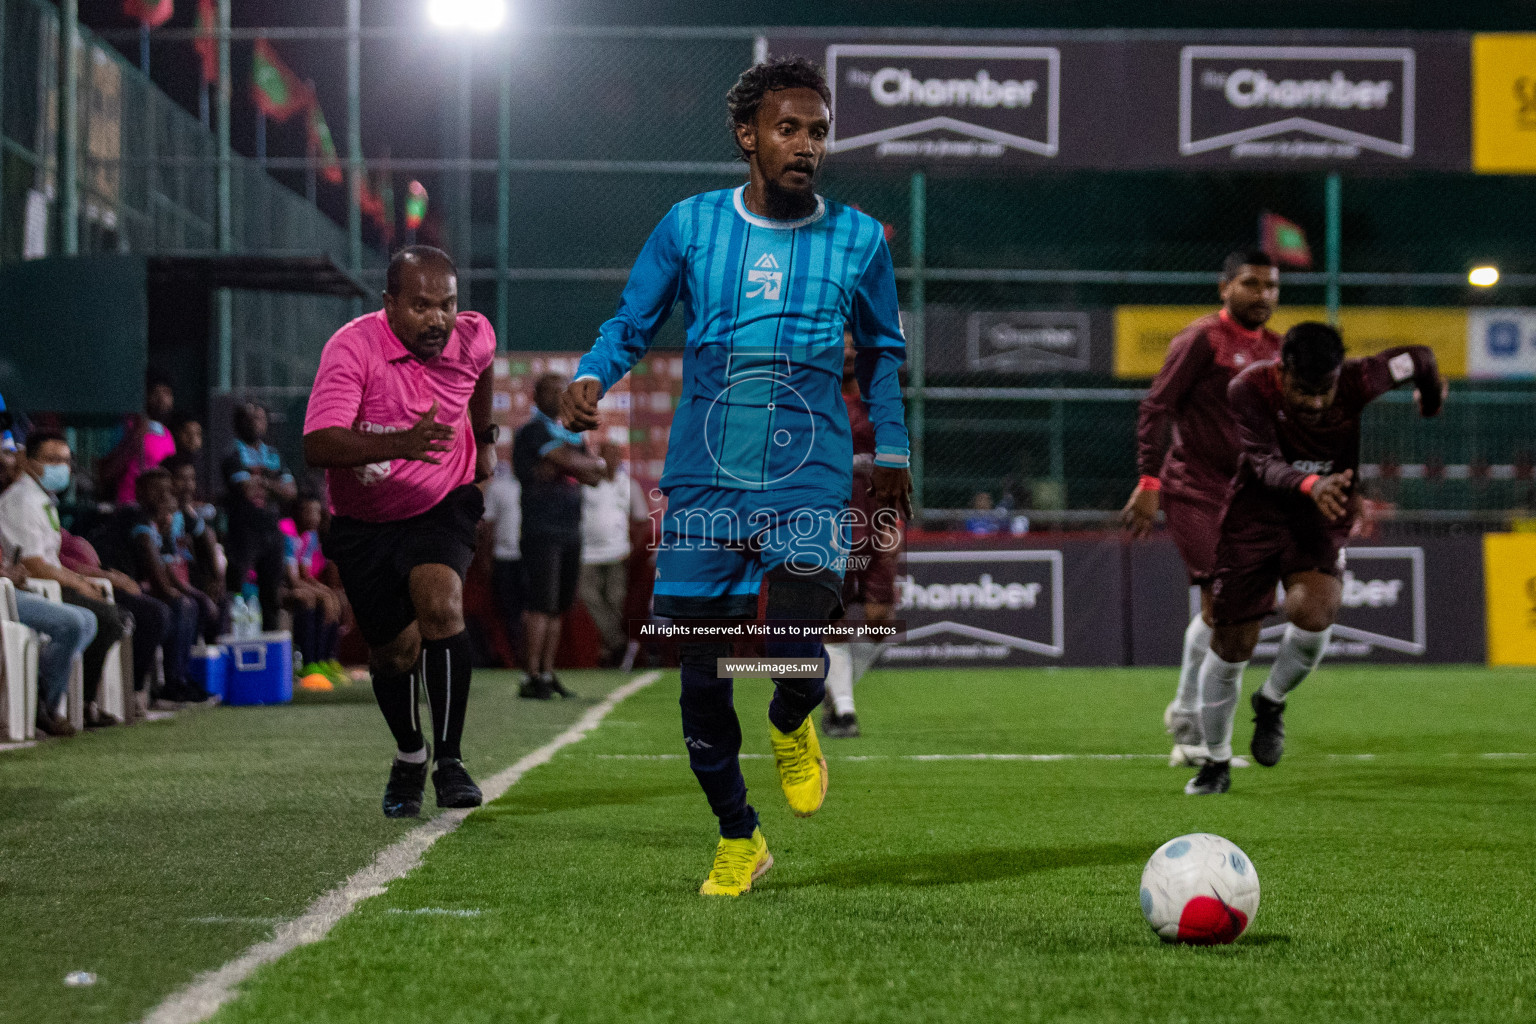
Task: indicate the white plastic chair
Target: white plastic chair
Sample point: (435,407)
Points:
(18,670)
(73,704)
(111,695)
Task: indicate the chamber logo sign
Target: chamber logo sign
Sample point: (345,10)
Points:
(1296,102)
(945,102)
(1026,341)
(992,607)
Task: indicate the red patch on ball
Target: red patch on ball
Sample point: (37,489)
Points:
(1206,921)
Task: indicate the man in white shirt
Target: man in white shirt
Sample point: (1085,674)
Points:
(31,532)
(504,515)
(607,509)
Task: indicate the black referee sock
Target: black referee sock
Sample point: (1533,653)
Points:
(396,694)
(446,665)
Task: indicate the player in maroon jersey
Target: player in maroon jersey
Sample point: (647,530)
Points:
(1188,474)
(870,579)
(1292,504)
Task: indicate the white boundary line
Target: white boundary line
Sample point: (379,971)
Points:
(212,989)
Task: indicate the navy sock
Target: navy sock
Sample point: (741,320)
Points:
(794,699)
(305,621)
(713,735)
(445,666)
(330,634)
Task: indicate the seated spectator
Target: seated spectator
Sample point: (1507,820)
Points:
(150,618)
(188,435)
(983,520)
(607,509)
(29,527)
(315,607)
(256,482)
(65,630)
(161,565)
(200,544)
(146,442)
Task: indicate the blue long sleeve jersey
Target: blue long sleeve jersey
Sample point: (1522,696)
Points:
(765,304)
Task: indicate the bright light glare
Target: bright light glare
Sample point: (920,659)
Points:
(1483,277)
(473,15)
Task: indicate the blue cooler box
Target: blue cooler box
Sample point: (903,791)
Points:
(210,667)
(260,669)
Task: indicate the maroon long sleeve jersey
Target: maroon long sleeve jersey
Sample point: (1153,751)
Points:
(1279,452)
(1189,400)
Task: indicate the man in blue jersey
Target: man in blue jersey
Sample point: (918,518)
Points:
(760,463)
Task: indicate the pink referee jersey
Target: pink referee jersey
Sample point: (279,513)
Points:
(368,381)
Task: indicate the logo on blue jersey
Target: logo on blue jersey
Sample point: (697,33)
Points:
(767,278)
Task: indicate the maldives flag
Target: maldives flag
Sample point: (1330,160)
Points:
(150,13)
(1284,241)
(415,205)
(321,143)
(276,91)
(205,23)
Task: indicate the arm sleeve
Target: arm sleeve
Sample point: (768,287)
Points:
(655,286)
(234,471)
(1389,368)
(338,391)
(1188,357)
(876,326)
(1256,438)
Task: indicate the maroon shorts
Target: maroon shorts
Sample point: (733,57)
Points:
(872,581)
(1196,527)
(1252,558)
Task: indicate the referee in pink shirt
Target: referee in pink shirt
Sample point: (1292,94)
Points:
(400,419)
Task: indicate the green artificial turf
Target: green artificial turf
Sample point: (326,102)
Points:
(1398,886)
(148,854)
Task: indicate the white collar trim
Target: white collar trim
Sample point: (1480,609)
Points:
(739,198)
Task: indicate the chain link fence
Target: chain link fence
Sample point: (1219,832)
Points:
(609,128)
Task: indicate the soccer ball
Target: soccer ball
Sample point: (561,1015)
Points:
(1199,889)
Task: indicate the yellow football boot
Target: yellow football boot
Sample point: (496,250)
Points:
(738,863)
(802,769)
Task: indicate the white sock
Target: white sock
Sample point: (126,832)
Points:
(864,657)
(414,757)
(1300,651)
(1197,640)
(840,677)
(1220,684)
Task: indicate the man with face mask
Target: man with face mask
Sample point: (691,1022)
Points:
(400,418)
(31,533)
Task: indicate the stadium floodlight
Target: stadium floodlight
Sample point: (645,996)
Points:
(467,15)
(1483,277)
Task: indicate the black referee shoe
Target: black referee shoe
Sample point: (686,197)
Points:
(556,686)
(1268,730)
(406,788)
(454,786)
(534,688)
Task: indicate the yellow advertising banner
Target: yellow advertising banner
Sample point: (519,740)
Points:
(1509,569)
(1504,103)
(1143,333)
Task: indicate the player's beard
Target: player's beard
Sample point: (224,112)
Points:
(789,204)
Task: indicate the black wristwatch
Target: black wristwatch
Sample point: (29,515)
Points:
(487,434)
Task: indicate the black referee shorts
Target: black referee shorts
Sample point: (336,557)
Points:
(552,566)
(375,559)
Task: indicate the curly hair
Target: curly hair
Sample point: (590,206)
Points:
(1312,351)
(757,81)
